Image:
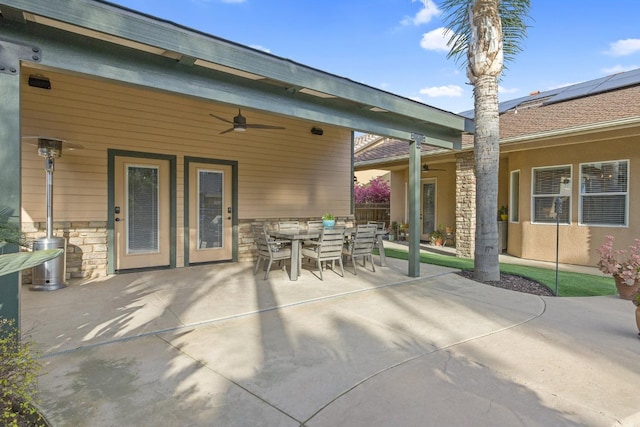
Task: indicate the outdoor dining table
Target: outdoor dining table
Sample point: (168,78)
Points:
(297,236)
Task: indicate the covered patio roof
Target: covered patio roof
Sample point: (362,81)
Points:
(155,53)
(97,39)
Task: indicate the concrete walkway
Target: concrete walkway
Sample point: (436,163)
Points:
(217,346)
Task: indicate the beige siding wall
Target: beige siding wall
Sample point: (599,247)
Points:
(281,173)
(578,243)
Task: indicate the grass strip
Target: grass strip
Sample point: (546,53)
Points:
(570,284)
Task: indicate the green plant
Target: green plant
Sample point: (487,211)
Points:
(504,210)
(18,379)
(328,216)
(438,233)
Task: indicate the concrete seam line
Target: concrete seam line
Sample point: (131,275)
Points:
(418,356)
(237,316)
(204,365)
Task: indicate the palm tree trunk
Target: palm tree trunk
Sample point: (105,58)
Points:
(487,156)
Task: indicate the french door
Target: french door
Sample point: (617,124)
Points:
(210,212)
(141,212)
(428,214)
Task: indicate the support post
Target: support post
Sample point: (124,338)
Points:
(414,204)
(10,178)
(11,54)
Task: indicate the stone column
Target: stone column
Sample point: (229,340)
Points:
(465,205)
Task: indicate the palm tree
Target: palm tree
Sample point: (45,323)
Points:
(485,33)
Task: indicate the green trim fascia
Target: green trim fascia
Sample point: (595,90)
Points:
(234,201)
(71,52)
(111,155)
(167,36)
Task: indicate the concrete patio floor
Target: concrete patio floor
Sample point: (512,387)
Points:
(217,346)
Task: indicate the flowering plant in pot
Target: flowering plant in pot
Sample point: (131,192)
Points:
(622,264)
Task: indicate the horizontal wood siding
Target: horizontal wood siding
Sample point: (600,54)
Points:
(281,172)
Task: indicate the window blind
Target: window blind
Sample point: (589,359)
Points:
(551,194)
(604,193)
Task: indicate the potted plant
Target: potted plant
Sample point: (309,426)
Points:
(636,302)
(437,236)
(503,212)
(403,231)
(623,265)
(393,232)
(328,220)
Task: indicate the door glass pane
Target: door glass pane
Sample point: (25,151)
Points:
(142,209)
(428,207)
(514,210)
(210,184)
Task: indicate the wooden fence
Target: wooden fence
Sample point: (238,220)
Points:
(372,212)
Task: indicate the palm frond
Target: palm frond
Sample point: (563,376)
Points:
(11,263)
(514,15)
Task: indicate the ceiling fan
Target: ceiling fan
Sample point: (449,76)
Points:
(426,168)
(240,123)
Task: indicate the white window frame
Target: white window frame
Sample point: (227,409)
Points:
(567,195)
(514,199)
(625,193)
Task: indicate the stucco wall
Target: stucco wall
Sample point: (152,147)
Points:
(578,243)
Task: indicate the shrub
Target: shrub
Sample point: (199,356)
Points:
(18,379)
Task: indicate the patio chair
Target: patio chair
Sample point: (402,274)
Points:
(361,245)
(314,224)
(381,226)
(288,225)
(327,248)
(269,249)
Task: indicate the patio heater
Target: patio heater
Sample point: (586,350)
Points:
(50,275)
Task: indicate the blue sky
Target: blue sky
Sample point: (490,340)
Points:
(397,45)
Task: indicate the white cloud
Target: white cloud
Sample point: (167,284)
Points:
(436,40)
(624,47)
(618,69)
(262,48)
(504,90)
(439,91)
(424,15)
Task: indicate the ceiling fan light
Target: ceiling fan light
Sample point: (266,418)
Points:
(239,128)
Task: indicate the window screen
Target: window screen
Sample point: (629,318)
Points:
(604,193)
(551,194)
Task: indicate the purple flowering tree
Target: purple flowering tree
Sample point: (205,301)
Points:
(375,191)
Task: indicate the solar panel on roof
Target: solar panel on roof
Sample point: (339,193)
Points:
(578,90)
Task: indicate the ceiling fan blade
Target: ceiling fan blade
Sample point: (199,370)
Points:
(221,118)
(227,131)
(258,126)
